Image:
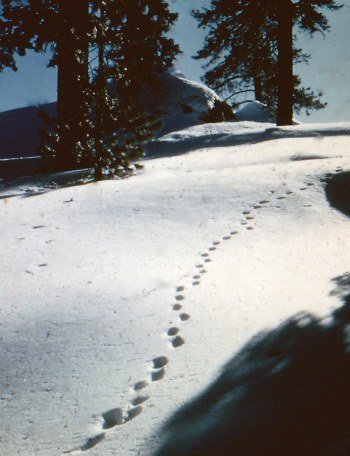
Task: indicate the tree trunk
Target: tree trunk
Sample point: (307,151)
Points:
(285,63)
(73,78)
(258,90)
(100,98)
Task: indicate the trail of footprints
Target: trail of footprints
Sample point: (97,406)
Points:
(157,367)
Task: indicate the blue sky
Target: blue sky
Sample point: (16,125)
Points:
(328,71)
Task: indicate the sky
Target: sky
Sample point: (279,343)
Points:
(328,71)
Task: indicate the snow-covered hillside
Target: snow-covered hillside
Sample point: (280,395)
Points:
(122,300)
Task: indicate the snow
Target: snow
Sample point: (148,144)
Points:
(254,111)
(230,222)
(180,101)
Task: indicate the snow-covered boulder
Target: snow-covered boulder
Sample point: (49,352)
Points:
(254,111)
(180,102)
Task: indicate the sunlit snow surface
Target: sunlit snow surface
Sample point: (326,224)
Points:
(120,300)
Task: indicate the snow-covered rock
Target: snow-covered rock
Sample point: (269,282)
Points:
(180,102)
(254,111)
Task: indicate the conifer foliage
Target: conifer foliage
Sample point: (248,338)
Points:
(104,50)
(129,43)
(250,47)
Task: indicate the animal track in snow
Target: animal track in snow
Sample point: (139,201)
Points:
(132,413)
(157,366)
(157,375)
(92,441)
(140,385)
(177,342)
(113,417)
(177,307)
(139,400)
(179,297)
(172,331)
(159,362)
(184,317)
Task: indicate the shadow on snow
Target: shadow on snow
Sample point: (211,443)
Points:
(164,148)
(285,393)
(338,191)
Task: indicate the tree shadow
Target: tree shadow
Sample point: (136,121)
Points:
(338,191)
(285,393)
(186,144)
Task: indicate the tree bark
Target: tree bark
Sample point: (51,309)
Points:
(73,77)
(100,85)
(285,62)
(258,91)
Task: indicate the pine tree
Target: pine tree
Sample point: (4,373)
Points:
(242,47)
(131,47)
(119,127)
(62,26)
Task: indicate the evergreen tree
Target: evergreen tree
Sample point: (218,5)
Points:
(243,43)
(62,26)
(130,45)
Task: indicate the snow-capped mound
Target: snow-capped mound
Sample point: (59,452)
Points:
(254,111)
(19,130)
(180,102)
